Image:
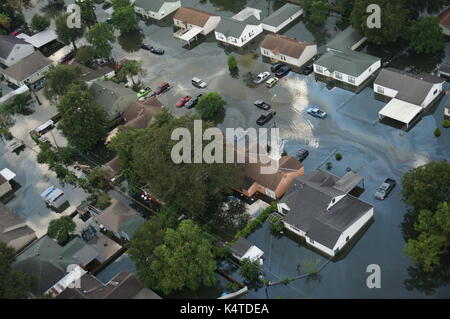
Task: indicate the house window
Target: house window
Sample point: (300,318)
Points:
(380,89)
(338,75)
(266,52)
(435,92)
(370,69)
(319,69)
(351,79)
(311,241)
(348,237)
(282,57)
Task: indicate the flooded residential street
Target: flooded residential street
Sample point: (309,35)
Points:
(376,151)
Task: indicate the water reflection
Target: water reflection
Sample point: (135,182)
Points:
(228,5)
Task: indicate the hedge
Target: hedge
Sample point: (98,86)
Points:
(257,222)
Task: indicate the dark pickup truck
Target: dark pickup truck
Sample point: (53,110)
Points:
(263,119)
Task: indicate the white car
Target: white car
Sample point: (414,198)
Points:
(262,77)
(199,83)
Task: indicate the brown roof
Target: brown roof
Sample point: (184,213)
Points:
(12,227)
(284,45)
(192,16)
(114,165)
(28,66)
(2,180)
(444,18)
(139,114)
(116,215)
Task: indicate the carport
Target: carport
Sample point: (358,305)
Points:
(400,111)
(188,36)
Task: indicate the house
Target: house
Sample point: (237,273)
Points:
(124,285)
(239,29)
(444,21)
(48,262)
(113,97)
(40,39)
(11,95)
(13,230)
(193,22)
(89,75)
(342,63)
(288,50)
(320,208)
(410,94)
(5,177)
(272,185)
(121,219)
(243,249)
(13,49)
(139,114)
(282,17)
(156,9)
(28,70)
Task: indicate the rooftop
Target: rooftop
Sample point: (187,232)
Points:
(345,40)
(192,16)
(7,43)
(349,62)
(284,45)
(27,66)
(282,14)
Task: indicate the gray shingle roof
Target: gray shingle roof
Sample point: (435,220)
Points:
(7,43)
(308,199)
(28,66)
(241,246)
(12,226)
(150,5)
(349,62)
(231,28)
(411,88)
(281,15)
(345,39)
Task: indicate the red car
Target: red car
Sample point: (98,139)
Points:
(16,32)
(181,102)
(162,88)
(120,65)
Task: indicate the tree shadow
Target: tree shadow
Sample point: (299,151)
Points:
(235,73)
(131,41)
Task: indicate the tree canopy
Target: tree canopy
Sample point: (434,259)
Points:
(85,54)
(83,122)
(131,68)
(39,23)
(125,19)
(61,228)
(426,36)
(88,16)
(100,36)
(66,34)
(13,284)
(250,270)
(316,10)
(59,78)
(210,106)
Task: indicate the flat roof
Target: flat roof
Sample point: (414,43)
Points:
(400,111)
(7,174)
(39,39)
(192,33)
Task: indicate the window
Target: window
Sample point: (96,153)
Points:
(266,52)
(338,75)
(319,69)
(380,89)
(311,241)
(348,237)
(435,92)
(282,57)
(351,79)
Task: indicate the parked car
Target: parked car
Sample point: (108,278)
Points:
(301,154)
(119,65)
(199,83)
(276,66)
(284,70)
(261,77)
(144,92)
(271,82)
(384,189)
(152,49)
(316,112)
(182,102)
(39,84)
(162,88)
(193,102)
(308,70)
(16,32)
(69,56)
(263,119)
(262,105)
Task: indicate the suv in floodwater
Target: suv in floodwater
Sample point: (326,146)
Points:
(384,189)
(199,83)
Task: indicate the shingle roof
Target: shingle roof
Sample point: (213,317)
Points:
(308,199)
(7,43)
(411,88)
(116,215)
(281,15)
(444,18)
(284,45)
(28,66)
(240,247)
(192,16)
(345,40)
(150,5)
(231,28)
(349,62)
(12,227)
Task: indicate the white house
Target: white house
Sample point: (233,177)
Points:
(288,50)
(282,17)
(156,9)
(410,94)
(193,22)
(13,49)
(28,70)
(342,63)
(319,208)
(243,249)
(240,29)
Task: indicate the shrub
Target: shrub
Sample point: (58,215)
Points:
(277,227)
(338,156)
(437,132)
(250,270)
(102,201)
(257,222)
(329,165)
(232,63)
(446,123)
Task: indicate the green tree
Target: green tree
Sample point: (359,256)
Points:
(426,36)
(59,78)
(201,183)
(250,270)
(5,21)
(316,10)
(85,55)
(125,19)
(184,259)
(232,63)
(13,284)
(393,20)
(131,68)
(39,23)
(61,228)
(83,122)
(88,16)
(210,106)
(120,3)
(431,6)
(434,237)
(98,178)
(66,34)
(101,35)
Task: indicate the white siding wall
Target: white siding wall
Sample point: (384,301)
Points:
(317,245)
(276,29)
(308,54)
(166,9)
(386,91)
(19,52)
(211,25)
(345,78)
(250,32)
(434,92)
